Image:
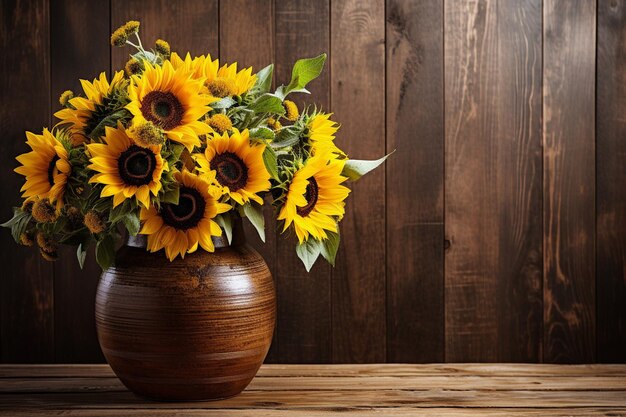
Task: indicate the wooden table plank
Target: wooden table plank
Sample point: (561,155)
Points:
(323,390)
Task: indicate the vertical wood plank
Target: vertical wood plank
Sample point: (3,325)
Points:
(493,180)
(247,37)
(611,189)
(569,180)
(358,100)
(415,242)
(79,49)
(304,312)
(26,296)
(189,26)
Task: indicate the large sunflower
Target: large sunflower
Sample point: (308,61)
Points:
(88,112)
(315,200)
(321,134)
(179,228)
(126,169)
(237,166)
(219,82)
(170,99)
(46,167)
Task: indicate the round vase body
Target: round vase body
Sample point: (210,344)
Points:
(193,329)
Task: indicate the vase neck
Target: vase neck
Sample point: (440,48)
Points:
(239,238)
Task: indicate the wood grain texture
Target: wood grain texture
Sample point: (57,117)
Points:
(304,321)
(493,181)
(415,241)
(72,58)
(325,390)
(193,329)
(569,181)
(26,286)
(357,99)
(611,192)
(247,37)
(189,26)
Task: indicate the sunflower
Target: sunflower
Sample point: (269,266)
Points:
(315,200)
(85,114)
(237,166)
(219,82)
(46,168)
(126,169)
(322,134)
(179,228)
(168,98)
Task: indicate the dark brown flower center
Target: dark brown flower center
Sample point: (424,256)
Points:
(232,172)
(136,165)
(52,169)
(311,194)
(187,213)
(163,109)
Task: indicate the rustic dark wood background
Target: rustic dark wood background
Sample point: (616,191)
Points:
(496,232)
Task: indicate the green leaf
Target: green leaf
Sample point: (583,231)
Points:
(105,252)
(145,55)
(81,254)
(132,223)
(308,252)
(330,247)
(171,196)
(224,103)
(110,121)
(177,150)
(287,136)
(18,223)
(117,213)
(271,161)
(225,221)
(264,79)
(304,71)
(355,168)
(268,103)
(254,213)
(262,133)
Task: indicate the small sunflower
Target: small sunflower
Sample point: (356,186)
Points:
(46,168)
(219,82)
(85,114)
(315,200)
(179,228)
(168,98)
(237,166)
(322,134)
(126,169)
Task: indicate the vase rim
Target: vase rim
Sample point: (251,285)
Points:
(141,241)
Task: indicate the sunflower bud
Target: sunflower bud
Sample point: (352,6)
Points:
(162,47)
(121,34)
(95,222)
(27,205)
(220,123)
(49,256)
(74,217)
(26,239)
(273,124)
(132,67)
(291,110)
(147,134)
(44,212)
(65,98)
(221,87)
(131,27)
(46,243)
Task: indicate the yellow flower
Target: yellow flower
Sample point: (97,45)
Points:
(170,100)
(147,134)
(132,67)
(88,112)
(95,222)
(291,110)
(46,168)
(44,212)
(274,124)
(180,228)
(65,97)
(126,169)
(237,166)
(121,34)
(315,200)
(219,81)
(322,134)
(162,47)
(220,123)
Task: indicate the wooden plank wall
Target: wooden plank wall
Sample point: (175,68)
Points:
(495,233)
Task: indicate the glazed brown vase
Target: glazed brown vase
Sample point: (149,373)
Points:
(193,329)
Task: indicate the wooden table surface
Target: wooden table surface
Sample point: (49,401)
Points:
(324,390)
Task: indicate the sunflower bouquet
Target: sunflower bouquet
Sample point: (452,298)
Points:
(175,148)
